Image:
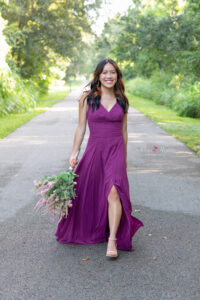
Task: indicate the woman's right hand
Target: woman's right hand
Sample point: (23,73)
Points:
(73,161)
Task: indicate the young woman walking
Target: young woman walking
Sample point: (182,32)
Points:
(101,210)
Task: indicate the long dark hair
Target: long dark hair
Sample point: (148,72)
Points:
(94,94)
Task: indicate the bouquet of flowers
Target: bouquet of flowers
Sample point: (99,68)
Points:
(56,192)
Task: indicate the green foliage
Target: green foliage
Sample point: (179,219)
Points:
(38,30)
(145,88)
(16,95)
(64,184)
(139,87)
(157,43)
(12,121)
(183,98)
(105,42)
(187,103)
(167,97)
(170,43)
(56,193)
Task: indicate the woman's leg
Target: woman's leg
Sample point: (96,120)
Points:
(114,215)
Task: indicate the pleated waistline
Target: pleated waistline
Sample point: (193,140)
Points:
(107,130)
(104,136)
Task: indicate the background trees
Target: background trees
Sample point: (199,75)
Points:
(38,30)
(41,34)
(156,42)
(160,43)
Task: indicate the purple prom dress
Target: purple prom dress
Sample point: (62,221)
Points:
(101,166)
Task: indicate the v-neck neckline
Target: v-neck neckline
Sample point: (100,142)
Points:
(108,111)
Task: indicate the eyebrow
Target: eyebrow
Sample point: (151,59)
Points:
(109,70)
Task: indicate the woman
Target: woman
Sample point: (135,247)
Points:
(102,209)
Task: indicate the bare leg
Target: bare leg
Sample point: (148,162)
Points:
(114,215)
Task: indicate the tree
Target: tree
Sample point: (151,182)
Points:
(36,28)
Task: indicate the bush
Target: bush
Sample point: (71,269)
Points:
(16,95)
(167,97)
(187,104)
(139,87)
(144,88)
(176,92)
(159,82)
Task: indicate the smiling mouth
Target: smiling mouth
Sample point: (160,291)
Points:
(109,81)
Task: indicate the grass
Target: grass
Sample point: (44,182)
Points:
(11,122)
(184,129)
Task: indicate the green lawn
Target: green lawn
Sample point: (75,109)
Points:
(186,130)
(10,122)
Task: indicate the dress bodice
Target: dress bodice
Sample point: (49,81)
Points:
(103,123)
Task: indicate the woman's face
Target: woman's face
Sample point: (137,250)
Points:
(108,77)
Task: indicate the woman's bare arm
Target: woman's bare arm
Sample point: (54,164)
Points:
(125,134)
(81,127)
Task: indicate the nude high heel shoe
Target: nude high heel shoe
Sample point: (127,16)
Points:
(112,253)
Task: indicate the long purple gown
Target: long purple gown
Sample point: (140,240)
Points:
(101,165)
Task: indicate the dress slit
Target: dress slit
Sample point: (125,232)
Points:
(111,184)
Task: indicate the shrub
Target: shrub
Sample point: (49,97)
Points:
(16,95)
(187,104)
(167,97)
(139,87)
(144,88)
(177,92)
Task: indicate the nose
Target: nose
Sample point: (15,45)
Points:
(109,76)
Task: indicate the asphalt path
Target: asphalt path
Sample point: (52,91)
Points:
(165,194)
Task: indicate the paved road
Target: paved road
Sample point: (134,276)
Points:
(164,185)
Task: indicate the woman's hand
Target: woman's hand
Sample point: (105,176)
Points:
(73,161)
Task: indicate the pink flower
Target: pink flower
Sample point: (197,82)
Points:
(57,199)
(51,184)
(51,196)
(69,204)
(40,203)
(51,203)
(43,192)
